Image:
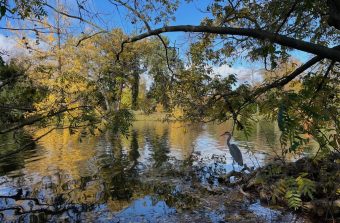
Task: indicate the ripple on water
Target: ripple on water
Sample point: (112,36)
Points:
(147,209)
(114,179)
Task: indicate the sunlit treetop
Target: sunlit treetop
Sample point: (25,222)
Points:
(314,21)
(250,30)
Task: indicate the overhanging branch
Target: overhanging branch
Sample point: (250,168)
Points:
(285,80)
(280,82)
(308,47)
(38,118)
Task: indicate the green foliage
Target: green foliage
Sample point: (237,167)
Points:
(306,112)
(306,187)
(293,199)
(17,93)
(306,180)
(274,171)
(120,121)
(23,8)
(90,89)
(2,11)
(291,190)
(85,90)
(2,62)
(310,109)
(282,117)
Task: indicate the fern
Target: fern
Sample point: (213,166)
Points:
(282,187)
(291,189)
(279,190)
(275,170)
(293,199)
(306,187)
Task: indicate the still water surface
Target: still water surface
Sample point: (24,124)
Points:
(157,174)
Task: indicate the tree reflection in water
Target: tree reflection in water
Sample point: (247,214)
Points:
(159,147)
(112,177)
(124,176)
(134,153)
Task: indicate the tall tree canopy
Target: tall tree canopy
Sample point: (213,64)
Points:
(265,31)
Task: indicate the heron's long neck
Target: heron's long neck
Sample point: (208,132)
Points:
(228,140)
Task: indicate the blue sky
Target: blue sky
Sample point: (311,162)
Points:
(188,13)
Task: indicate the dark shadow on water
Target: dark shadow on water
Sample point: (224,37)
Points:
(153,174)
(159,147)
(15,151)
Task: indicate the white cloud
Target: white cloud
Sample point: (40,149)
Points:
(9,46)
(243,74)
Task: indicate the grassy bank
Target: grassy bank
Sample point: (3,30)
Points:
(157,116)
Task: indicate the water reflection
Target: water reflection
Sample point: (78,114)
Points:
(145,208)
(135,178)
(9,143)
(159,146)
(134,147)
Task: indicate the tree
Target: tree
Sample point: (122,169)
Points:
(100,81)
(248,26)
(88,90)
(256,30)
(17,92)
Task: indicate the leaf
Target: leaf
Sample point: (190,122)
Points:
(306,186)
(295,145)
(281,117)
(280,190)
(293,199)
(2,11)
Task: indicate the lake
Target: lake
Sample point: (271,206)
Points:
(161,172)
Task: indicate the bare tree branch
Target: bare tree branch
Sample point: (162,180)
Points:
(280,82)
(287,16)
(88,37)
(75,17)
(142,17)
(316,49)
(38,118)
(39,30)
(285,80)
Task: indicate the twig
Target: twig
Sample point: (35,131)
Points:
(324,77)
(148,27)
(40,118)
(74,17)
(88,37)
(287,16)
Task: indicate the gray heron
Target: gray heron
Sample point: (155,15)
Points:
(234,150)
